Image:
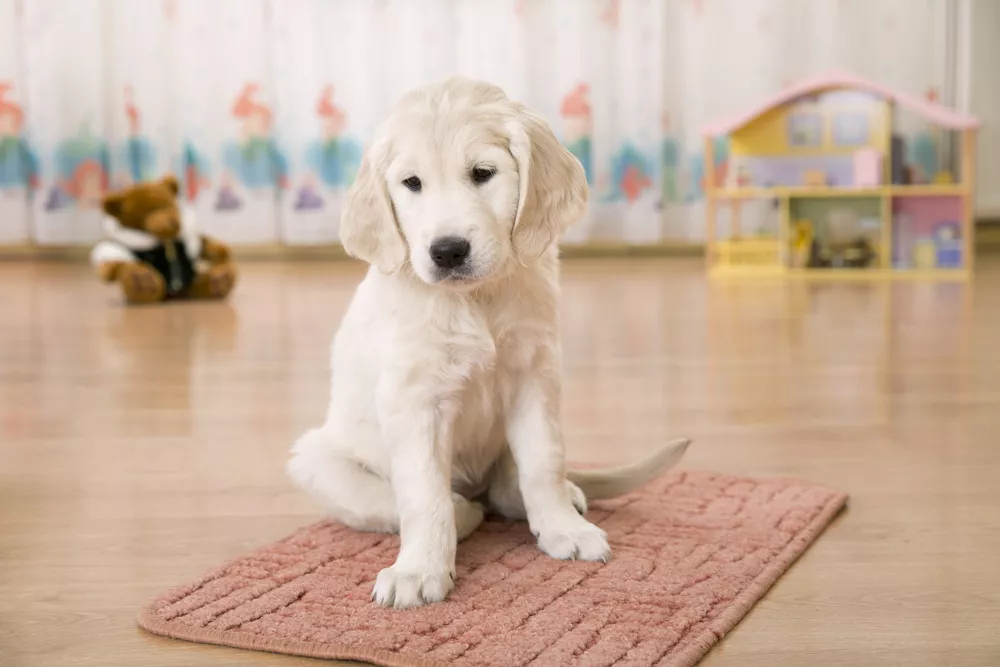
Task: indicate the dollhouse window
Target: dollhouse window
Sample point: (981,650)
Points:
(851,129)
(805,129)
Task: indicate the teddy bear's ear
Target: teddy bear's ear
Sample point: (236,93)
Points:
(112,204)
(171,183)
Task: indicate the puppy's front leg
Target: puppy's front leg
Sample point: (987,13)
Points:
(424,570)
(535,439)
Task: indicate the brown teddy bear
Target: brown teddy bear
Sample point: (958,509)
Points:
(154,250)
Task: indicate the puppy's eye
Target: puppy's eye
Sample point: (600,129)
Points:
(481,175)
(413,183)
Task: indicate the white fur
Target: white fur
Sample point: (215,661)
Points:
(446,388)
(121,240)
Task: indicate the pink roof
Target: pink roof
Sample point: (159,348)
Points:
(932,111)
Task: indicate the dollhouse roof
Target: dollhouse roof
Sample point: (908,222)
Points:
(932,111)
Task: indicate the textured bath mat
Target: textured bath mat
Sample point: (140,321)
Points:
(691,553)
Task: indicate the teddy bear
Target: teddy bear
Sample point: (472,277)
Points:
(153,248)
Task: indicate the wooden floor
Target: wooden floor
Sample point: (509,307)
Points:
(141,446)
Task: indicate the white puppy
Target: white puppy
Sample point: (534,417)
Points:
(446,379)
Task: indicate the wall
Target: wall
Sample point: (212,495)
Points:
(984,100)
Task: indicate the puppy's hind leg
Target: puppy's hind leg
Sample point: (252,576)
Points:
(504,495)
(351,493)
(468,516)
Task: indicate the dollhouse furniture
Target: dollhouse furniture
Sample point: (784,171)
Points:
(846,197)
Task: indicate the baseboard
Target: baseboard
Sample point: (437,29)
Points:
(987,240)
(988,234)
(661,249)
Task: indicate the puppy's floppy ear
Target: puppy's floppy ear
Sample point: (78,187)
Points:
(552,190)
(368,228)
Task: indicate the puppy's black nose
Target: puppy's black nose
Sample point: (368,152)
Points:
(450,252)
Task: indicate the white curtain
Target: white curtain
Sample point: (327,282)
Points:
(263,107)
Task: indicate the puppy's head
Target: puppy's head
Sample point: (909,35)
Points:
(463,184)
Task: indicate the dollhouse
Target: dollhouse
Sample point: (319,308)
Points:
(819,182)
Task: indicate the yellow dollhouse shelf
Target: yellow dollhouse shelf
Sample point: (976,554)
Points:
(848,205)
(749,254)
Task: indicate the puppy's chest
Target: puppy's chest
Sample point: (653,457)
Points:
(479,407)
(506,350)
(485,356)
(494,350)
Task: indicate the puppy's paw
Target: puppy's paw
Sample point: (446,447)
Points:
(573,537)
(576,496)
(402,587)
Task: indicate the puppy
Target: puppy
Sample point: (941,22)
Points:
(446,382)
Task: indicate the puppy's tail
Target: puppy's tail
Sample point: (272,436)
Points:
(613,482)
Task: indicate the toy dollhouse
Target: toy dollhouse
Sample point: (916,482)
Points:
(819,182)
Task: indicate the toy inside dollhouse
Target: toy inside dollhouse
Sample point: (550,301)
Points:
(828,178)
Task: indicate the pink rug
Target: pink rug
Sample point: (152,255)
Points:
(691,554)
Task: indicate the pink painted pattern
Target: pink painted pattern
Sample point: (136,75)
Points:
(611,13)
